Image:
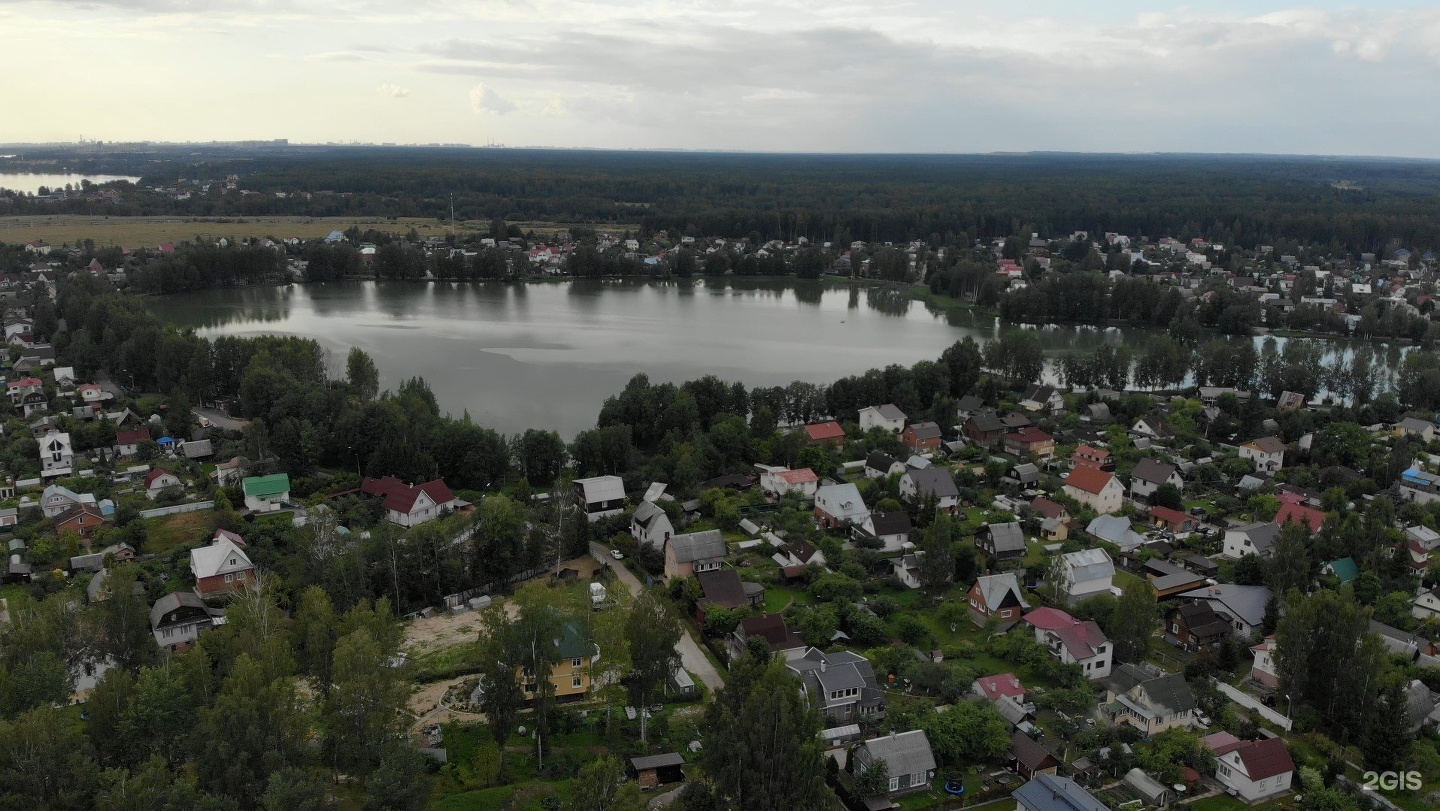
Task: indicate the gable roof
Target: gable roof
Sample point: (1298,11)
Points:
(215,559)
(602,488)
(173,601)
(1169,516)
(934,481)
(1152,471)
(994,587)
(1083,639)
(1028,753)
(841,500)
(923,430)
(891,523)
(695,546)
(265,486)
(880,461)
(1088,479)
(890,412)
(1262,535)
(723,588)
(1000,684)
(1007,537)
(1046,792)
(155,474)
(986,422)
(802,476)
(1089,564)
(1266,444)
(904,753)
(825,430)
(401,497)
(1046,507)
(1116,529)
(1309,516)
(1265,758)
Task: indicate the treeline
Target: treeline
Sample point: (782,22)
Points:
(944,199)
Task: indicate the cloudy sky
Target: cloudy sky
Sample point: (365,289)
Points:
(775,75)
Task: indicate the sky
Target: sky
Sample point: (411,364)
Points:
(957,76)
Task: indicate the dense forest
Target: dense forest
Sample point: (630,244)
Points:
(1232,200)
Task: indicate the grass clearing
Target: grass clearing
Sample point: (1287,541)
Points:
(168,533)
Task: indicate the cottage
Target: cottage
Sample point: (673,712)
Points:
(1251,539)
(159,480)
(1257,770)
(1311,518)
(891,530)
(600,497)
(230,472)
(1098,458)
(1244,605)
(55,500)
(1054,519)
(778,481)
(723,588)
(921,437)
(1031,759)
(1196,626)
(1085,574)
(1073,641)
(653,771)
(265,494)
(1426,604)
(178,619)
(1151,703)
(1422,430)
(907,758)
(1003,685)
(1174,521)
(1002,541)
(1263,670)
(906,569)
(1095,488)
(1267,453)
(842,684)
(1149,474)
(1040,397)
(81,519)
(127,443)
(411,505)
(221,567)
(1115,529)
(1029,443)
(839,505)
(650,526)
(827,433)
(882,465)
(688,555)
(770,628)
(885,417)
(56,455)
(1047,792)
(916,486)
(984,428)
(570,677)
(997,598)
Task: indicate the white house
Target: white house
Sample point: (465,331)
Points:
(886,417)
(777,481)
(650,526)
(600,496)
(1086,573)
(265,494)
(839,505)
(1257,770)
(1426,605)
(1267,453)
(222,566)
(158,480)
(1073,641)
(1098,489)
(56,456)
(56,500)
(1262,669)
(917,485)
(180,617)
(1252,539)
(891,529)
(411,505)
(1149,474)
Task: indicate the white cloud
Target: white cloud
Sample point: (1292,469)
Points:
(394,91)
(485,100)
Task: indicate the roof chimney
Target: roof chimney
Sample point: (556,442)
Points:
(823,665)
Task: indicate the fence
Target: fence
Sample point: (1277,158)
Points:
(1250,702)
(178,509)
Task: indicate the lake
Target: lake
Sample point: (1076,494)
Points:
(30,182)
(547,355)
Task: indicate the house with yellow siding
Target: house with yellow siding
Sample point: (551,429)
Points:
(571,674)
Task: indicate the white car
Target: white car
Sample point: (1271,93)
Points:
(617,554)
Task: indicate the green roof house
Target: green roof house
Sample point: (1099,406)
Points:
(265,494)
(1344,570)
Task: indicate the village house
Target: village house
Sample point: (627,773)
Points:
(997,598)
(1072,641)
(1153,429)
(1040,397)
(159,480)
(265,494)
(55,500)
(95,561)
(778,481)
(1115,529)
(723,588)
(1262,669)
(222,566)
(688,555)
(1047,792)
(906,569)
(1029,443)
(1054,519)
(653,771)
(1031,759)
(1095,488)
(81,519)
(650,526)
(779,637)
(600,496)
(1251,539)
(1149,474)
(1422,430)
(984,428)
(178,619)
(891,530)
(411,505)
(570,675)
(907,757)
(1001,685)
(1151,703)
(1426,604)
(231,472)
(127,443)
(1256,770)
(1002,541)
(1311,518)
(827,433)
(23,386)
(932,482)
(57,458)
(1085,574)
(1243,605)
(841,685)
(882,465)
(1196,626)
(1267,453)
(839,505)
(921,437)
(885,417)
(1174,521)
(1098,458)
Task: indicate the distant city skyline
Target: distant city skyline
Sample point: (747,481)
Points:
(962,76)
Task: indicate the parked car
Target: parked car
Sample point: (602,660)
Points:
(617,554)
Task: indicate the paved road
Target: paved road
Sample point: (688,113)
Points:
(219,420)
(691,657)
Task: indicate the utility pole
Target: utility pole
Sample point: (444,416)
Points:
(452,214)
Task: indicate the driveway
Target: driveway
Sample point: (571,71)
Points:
(218,419)
(691,657)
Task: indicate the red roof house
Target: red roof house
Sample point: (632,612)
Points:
(828,433)
(409,505)
(1299,513)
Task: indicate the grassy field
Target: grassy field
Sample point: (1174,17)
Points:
(171,532)
(136,232)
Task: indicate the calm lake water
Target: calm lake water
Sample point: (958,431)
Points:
(31,182)
(547,355)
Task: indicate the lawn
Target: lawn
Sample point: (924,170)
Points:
(171,532)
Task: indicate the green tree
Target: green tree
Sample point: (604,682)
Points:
(255,727)
(364,709)
(967,732)
(1133,623)
(399,784)
(46,762)
(1387,740)
(937,565)
(541,455)
(762,748)
(874,779)
(652,633)
(362,374)
(123,620)
(297,790)
(500,663)
(601,786)
(498,541)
